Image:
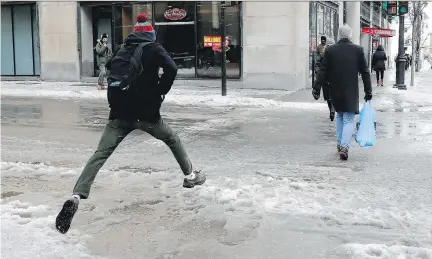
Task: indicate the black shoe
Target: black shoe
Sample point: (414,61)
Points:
(343,153)
(199,179)
(338,148)
(64,218)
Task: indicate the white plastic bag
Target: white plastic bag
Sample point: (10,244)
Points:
(366,134)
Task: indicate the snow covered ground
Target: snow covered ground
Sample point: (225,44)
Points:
(275,187)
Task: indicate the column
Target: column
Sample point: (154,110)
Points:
(87,43)
(341,14)
(353,19)
(59,41)
(275,45)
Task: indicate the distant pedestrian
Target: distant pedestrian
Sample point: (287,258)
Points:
(326,87)
(378,64)
(341,65)
(135,95)
(319,53)
(103,54)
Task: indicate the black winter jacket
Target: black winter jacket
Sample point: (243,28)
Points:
(341,66)
(378,60)
(145,104)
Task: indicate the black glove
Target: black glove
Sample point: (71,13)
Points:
(368,97)
(316,93)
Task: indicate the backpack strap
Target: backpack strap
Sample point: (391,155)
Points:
(108,64)
(135,61)
(136,57)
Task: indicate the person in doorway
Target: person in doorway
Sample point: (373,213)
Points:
(341,65)
(130,110)
(319,53)
(378,63)
(103,54)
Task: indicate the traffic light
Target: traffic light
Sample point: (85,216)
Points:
(392,8)
(403,7)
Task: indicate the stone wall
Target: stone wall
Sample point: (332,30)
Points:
(58,41)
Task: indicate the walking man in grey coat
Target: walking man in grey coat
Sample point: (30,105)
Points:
(103,53)
(341,65)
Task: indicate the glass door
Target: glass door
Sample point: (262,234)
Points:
(175,29)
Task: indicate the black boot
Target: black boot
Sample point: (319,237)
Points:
(343,153)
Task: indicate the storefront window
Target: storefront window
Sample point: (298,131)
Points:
(327,22)
(320,19)
(175,28)
(209,40)
(189,32)
(125,19)
(323,21)
(335,24)
(19,40)
(312,38)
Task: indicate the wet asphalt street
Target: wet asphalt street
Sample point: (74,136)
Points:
(276,188)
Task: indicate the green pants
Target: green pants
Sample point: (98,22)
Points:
(115,131)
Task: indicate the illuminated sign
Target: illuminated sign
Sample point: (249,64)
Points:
(175,14)
(209,41)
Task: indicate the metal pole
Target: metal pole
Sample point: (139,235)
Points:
(371,11)
(401,57)
(413,40)
(223,47)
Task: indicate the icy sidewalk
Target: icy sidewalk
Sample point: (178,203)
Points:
(179,95)
(418,97)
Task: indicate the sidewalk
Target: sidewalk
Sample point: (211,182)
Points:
(179,95)
(385,98)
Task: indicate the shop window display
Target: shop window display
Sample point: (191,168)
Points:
(209,40)
(189,31)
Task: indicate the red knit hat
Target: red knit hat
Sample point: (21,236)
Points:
(142,25)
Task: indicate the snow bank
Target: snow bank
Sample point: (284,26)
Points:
(36,169)
(381,251)
(217,100)
(28,231)
(243,202)
(185,97)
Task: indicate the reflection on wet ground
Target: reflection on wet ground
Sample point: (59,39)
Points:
(90,115)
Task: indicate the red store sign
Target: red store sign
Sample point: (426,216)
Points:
(379,31)
(175,14)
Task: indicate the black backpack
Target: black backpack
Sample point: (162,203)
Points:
(125,66)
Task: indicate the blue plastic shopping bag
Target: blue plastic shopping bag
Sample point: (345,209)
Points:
(366,132)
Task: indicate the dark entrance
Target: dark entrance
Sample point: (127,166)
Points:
(175,28)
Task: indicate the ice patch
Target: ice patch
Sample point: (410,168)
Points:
(381,251)
(28,231)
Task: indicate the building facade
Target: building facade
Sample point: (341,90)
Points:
(270,44)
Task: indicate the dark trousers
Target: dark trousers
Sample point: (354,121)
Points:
(327,96)
(115,131)
(378,73)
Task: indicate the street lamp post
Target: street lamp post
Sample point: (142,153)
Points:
(400,77)
(223,48)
